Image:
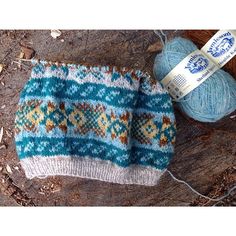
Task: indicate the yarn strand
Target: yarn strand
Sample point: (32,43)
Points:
(160,35)
(165,37)
(199,194)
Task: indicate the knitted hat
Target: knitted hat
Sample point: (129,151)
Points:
(104,123)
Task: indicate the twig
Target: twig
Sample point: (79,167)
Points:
(19,63)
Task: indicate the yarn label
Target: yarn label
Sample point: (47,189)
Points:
(221,47)
(201,64)
(189,74)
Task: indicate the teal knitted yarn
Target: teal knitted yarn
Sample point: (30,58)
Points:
(210,101)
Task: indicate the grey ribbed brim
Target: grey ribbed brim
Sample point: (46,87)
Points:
(39,166)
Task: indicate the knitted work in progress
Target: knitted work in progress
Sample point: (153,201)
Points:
(104,123)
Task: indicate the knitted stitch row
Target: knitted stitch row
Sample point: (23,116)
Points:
(94,122)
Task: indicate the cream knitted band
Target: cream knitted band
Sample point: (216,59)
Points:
(86,168)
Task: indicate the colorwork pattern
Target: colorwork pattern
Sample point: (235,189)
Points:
(104,123)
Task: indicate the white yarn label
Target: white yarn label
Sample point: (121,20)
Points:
(201,64)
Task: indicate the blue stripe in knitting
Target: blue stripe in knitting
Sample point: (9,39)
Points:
(118,97)
(47,147)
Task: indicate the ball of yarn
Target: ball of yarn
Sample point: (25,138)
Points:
(210,101)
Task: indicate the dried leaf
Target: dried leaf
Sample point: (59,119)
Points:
(8,134)
(1,134)
(21,56)
(55,33)
(28,52)
(56,190)
(3,147)
(155,47)
(8,168)
(1,67)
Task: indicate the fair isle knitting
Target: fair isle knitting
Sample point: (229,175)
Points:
(104,123)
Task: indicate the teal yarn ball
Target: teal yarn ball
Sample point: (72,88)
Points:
(210,101)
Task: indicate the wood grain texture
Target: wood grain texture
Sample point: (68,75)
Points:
(204,152)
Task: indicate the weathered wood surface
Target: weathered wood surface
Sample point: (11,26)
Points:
(205,154)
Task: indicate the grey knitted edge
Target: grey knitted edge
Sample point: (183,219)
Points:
(39,166)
